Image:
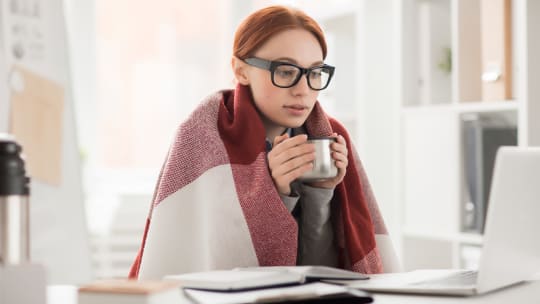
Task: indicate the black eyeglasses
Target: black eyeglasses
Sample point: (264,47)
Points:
(286,75)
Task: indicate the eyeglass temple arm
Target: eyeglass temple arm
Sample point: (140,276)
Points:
(260,63)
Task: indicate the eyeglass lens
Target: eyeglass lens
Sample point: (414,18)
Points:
(288,75)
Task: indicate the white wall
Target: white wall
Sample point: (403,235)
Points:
(80,20)
(379,104)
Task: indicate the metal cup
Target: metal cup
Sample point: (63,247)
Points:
(324,166)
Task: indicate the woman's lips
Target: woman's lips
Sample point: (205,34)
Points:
(296,110)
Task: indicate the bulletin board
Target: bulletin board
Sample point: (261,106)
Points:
(36,106)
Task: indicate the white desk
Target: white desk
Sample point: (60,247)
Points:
(523,294)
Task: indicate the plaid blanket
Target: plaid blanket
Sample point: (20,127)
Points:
(215,205)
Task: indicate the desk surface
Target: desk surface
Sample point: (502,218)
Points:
(523,293)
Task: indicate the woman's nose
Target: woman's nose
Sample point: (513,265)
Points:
(302,86)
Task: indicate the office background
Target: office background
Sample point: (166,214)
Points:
(408,81)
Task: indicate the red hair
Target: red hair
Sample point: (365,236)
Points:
(261,25)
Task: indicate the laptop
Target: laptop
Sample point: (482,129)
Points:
(511,241)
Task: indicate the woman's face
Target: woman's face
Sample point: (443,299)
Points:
(285,107)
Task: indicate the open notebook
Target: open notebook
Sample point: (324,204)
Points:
(261,277)
(511,248)
(284,284)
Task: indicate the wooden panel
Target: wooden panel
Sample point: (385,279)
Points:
(467,67)
(496,49)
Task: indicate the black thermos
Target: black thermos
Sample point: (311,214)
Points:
(14,204)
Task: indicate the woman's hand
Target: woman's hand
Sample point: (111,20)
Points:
(289,159)
(339,154)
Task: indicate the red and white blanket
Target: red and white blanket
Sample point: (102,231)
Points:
(216,207)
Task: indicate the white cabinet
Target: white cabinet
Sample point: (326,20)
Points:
(443,45)
(430,178)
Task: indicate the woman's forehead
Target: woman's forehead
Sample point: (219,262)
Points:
(296,45)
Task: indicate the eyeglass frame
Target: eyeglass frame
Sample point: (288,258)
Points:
(272,65)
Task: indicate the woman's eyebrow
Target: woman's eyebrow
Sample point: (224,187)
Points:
(296,62)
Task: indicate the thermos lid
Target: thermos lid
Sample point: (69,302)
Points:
(13,179)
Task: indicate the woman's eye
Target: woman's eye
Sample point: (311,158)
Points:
(315,74)
(286,73)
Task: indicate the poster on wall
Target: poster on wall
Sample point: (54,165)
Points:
(35,100)
(37,108)
(25,30)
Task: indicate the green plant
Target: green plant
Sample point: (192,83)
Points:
(445,64)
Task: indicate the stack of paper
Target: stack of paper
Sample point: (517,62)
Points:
(271,284)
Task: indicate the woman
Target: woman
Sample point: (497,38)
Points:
(229,194)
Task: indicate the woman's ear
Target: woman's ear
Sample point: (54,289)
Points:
(240,71)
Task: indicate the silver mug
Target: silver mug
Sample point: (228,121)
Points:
(324,166)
